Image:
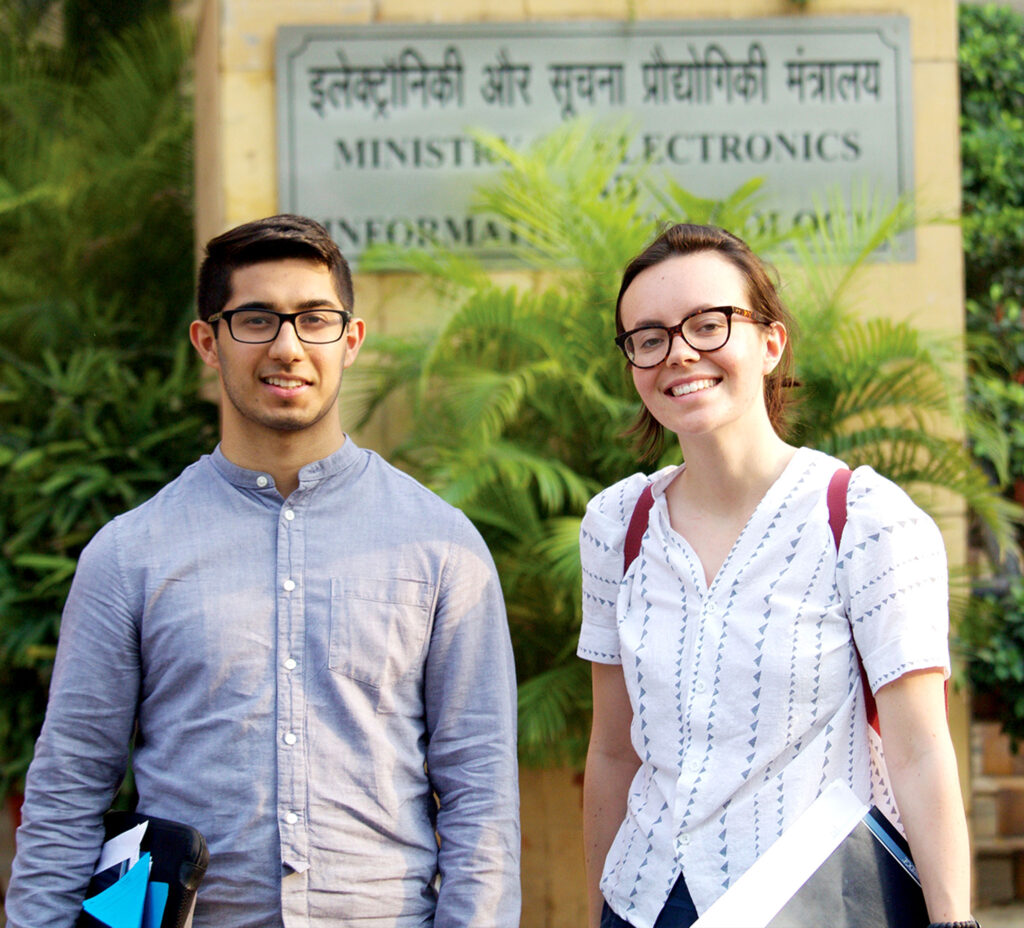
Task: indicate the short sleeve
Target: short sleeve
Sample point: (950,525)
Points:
(602,537)
(892,575)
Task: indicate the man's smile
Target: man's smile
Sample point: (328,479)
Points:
(286,383)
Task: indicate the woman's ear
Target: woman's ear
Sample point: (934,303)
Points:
(776,338)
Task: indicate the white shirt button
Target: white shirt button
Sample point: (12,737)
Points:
(700,686)
(288,585)
(290,737)
(684,840)
(262,481)
(711,609)
(289,515)
(291,664)
(291,818)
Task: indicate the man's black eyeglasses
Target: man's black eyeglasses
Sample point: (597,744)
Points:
(705,330)
(258,326)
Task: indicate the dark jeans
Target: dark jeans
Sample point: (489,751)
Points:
(679,911)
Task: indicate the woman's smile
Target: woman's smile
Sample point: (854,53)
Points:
(693,386)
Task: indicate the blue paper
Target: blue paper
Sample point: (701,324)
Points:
(156,902)
(121,905)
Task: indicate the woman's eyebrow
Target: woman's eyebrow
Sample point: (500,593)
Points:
(646,323)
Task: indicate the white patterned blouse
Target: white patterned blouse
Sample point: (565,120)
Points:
(746,695)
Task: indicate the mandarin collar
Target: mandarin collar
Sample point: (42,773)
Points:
(312,473)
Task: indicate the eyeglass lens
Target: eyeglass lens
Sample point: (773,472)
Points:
(705,331)
(316,326)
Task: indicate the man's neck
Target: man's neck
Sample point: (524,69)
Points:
(282,456)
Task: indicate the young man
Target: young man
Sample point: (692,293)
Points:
(310,648)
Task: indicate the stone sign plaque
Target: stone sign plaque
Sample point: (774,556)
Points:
(375,122)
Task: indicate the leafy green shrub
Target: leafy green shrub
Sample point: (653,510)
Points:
(995,396)
(992,154)
(1002,442)
(992,148)
(99,391)
(996,622)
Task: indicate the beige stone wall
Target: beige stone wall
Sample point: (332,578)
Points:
(236,176)
(236,140)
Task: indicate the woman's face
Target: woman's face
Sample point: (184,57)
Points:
(693,392)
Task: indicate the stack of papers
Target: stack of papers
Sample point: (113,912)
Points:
(130,899)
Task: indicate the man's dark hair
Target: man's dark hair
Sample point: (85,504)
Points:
(270,239)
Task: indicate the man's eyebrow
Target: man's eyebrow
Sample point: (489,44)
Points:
(299,307)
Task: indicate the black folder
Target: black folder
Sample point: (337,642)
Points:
(179,859)
(869,881)
(840,864)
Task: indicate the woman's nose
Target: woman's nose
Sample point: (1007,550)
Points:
(679,350)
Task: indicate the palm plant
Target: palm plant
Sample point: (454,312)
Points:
(519,400)
(880,391)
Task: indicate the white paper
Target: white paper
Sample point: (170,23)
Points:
(123,847)
(759,895)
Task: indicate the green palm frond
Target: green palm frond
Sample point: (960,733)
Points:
(502,326)
(554,711)
(512,465)
(841,241)
(559,549)
(484,402)
(450,272)
(735,211)
(873,367)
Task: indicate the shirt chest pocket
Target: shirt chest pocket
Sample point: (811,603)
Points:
(378,628)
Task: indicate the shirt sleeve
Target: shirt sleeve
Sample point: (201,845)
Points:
(602,539)
(892,575)
(470,694)
(82,752)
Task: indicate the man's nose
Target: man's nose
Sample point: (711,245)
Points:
(287,341)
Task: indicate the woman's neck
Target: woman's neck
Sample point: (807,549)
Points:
(722,474)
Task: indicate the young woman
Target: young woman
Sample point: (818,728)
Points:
(726,675)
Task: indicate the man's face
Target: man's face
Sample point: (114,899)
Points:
(286,385)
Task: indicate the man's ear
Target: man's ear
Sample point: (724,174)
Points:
(355,332)
(204,340)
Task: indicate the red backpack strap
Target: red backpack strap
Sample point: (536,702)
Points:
(637,526)
(836,498)
(837,488)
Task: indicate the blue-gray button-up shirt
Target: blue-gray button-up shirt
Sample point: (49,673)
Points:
(323,686)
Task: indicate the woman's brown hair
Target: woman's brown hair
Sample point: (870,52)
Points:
(688,239)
